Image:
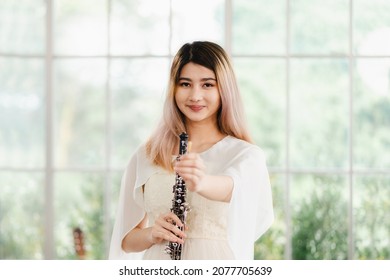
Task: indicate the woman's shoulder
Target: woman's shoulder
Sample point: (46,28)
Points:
(231,149)
(237,154)
(239,146)
(140,165)
(138,156)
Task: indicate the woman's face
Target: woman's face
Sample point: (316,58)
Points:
(197,94)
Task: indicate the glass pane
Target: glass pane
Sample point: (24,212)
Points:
(22,26)
(319,210)
(138,92)
(22,112)
(372,113)
(21,215)
(259,26)
(319,28)
(80,111)
(140,27)
(116,178)
(271,245)
(371,206)
(319,101)
(262,84)
(197,20)
(80,27)
(78,202)
(371,27)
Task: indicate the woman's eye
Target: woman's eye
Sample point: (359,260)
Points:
(207,85)
(184,84)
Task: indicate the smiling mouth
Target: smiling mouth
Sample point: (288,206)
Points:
(196,108)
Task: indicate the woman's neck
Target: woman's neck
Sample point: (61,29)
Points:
(202,136)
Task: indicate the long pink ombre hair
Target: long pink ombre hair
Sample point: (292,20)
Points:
(231,121)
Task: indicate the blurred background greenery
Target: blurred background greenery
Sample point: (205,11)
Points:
(82,83)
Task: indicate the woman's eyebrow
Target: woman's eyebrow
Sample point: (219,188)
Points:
(203,79)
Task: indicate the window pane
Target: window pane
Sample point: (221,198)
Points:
(21,215)
(80,100)
(78,202)
(371,206)
(259,26)
(319,113)
(371,27)
(138,92)
(116,178)
(319,208)
(372,113)
(197,20)
(22,113)
(320,28)
(140,27)
(271,245)
(22,26)
(262,85)
(80,27)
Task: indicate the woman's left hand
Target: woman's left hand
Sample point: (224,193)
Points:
(192,169)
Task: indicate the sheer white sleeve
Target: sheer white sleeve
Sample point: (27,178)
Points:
(130,209)
(251,209)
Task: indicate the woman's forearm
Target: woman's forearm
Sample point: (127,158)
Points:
(137,240)
(217,188)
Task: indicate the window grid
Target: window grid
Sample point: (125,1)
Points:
(107,175)
(288,245)
(50,170)
(351,247)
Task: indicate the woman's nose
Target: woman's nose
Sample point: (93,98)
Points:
(196,94)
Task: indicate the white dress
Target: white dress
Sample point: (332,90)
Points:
(217,230)
(207,221)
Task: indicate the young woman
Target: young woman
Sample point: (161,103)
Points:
(227,181)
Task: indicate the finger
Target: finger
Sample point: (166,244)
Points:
(171,217)
(171,223)
(195,161)
(177,230)
(168,228)
(168,236)
(189,172)
(189,163)
(190,156)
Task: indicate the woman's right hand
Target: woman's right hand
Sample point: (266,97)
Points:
(166,227)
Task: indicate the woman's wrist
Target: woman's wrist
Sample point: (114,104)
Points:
(217,188)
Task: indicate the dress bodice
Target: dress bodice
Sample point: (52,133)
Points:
(206,218)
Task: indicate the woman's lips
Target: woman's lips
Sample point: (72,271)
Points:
(196,108)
